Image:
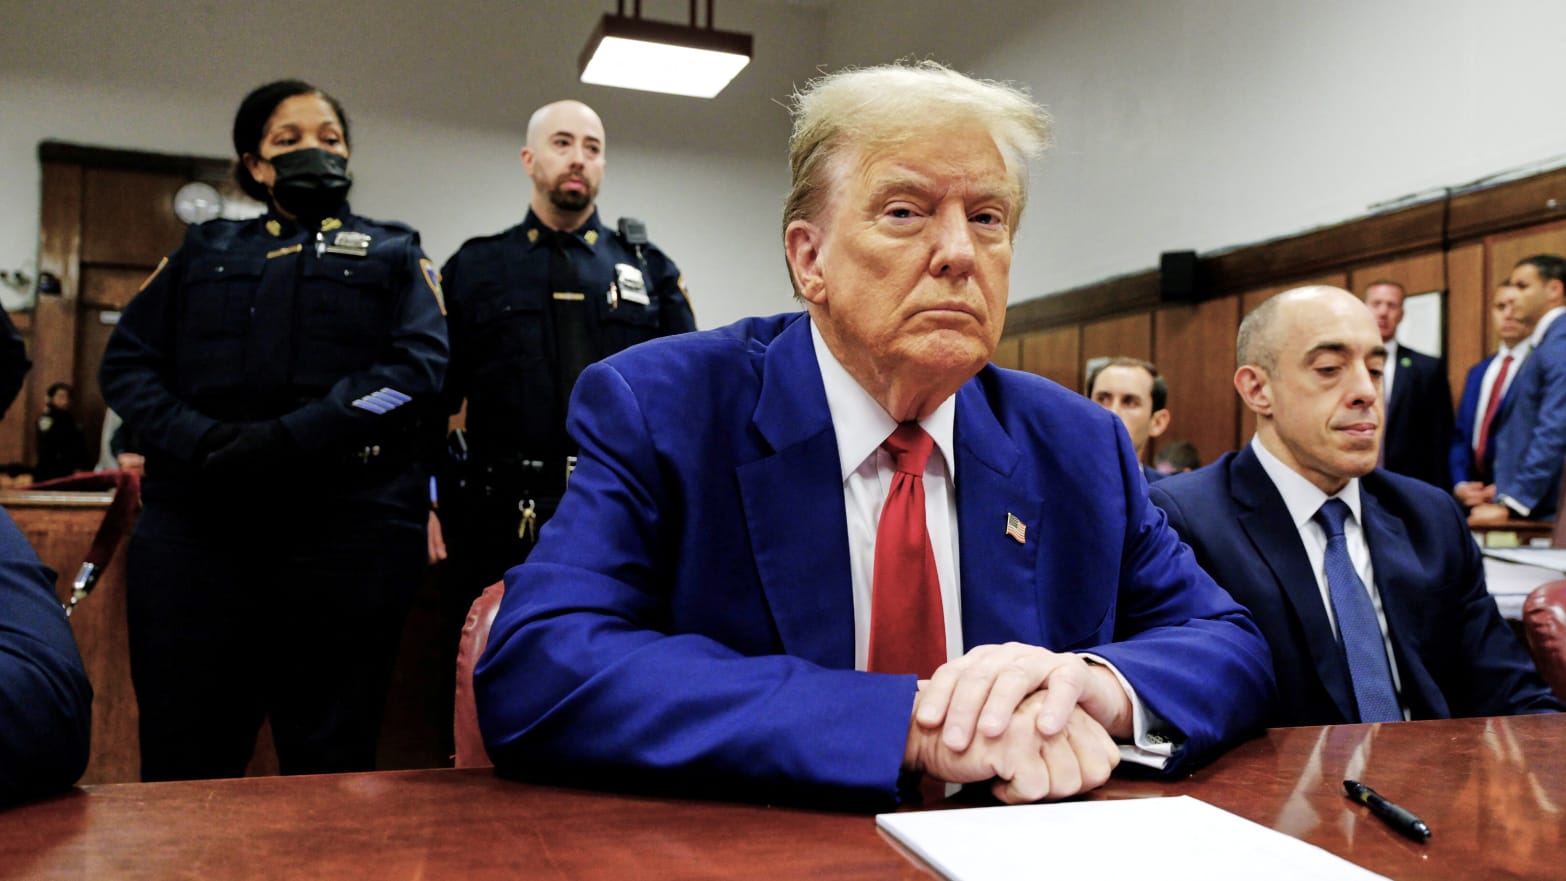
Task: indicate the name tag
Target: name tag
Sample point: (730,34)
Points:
(354,244)
(633,287)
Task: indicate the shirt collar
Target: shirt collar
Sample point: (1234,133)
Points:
(1544,325)
(1302,497)
(590,233)
(1515,351)
(861,424)
(280,227)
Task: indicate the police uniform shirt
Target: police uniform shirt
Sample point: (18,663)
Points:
(529,308)
(336,331)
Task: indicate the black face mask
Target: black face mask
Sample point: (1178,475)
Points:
(311,183)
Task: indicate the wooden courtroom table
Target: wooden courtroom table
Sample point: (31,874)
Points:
(1493,791)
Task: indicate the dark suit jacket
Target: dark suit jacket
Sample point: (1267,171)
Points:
(686,620)
(1419,420)
(45,701)
(1461,459)
(1455,655)
(1531,443)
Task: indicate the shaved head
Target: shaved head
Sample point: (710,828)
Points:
(564,115)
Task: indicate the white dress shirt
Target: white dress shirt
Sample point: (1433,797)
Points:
(1304,499)
(861,425)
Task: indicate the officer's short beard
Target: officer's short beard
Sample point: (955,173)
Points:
(571,200)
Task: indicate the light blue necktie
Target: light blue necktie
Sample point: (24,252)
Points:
(1358,630)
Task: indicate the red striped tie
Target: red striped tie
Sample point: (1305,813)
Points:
(907,628)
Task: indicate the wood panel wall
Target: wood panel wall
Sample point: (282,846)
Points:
(1195,348)
(1464,244)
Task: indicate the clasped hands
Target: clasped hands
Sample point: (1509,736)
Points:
(1473,494)
(1039,724)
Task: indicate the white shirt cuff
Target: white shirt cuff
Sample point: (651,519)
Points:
(1150,743)
(1516,506)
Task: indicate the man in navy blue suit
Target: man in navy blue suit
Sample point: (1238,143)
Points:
(1367,584)
(1418,397)
(1472,457)
(749,589)
(1530,443)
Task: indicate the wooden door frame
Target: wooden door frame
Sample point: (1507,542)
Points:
(55,317)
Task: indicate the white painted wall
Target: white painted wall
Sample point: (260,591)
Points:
(1180,123)
(438,95)
(1206,124)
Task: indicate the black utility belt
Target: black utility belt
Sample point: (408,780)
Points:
(548,476)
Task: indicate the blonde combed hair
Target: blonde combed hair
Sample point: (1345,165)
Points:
(855,111)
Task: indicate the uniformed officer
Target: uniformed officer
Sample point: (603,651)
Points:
(278,372)
(531,307)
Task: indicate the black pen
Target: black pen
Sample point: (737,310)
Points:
(1394,816)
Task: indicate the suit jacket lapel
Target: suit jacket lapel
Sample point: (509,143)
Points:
(793,503)
(1266,521)
(1000,600)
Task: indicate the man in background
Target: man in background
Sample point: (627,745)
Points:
(1531,439)
(1367,584)
(1417,395)
(529,309)
(1132,389)
(1472,458)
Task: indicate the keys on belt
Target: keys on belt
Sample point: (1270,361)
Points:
(527,527)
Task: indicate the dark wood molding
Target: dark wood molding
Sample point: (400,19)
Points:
(1377,237)
(194,167)
(1530,201)
(1458,216)
(1105,299)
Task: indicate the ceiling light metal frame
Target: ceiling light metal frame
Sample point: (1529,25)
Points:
(664,35)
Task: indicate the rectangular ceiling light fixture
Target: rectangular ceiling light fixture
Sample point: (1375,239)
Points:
(634,53)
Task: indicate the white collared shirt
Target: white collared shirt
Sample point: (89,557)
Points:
(1545,321)
(1303,499)
(861,425)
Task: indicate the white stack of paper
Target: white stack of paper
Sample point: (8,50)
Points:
(1144,838)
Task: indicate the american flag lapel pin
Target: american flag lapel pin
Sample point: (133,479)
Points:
(1016,528)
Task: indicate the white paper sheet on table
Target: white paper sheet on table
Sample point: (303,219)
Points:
(1151,838)
(1545,558)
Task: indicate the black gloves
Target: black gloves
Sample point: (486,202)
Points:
(232,447)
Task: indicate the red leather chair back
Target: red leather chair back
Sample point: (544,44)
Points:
(1544,623)
(475,635)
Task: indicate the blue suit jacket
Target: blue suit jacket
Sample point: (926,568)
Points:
(686,620)
(1461,458)
(1455,655)
(1530,445)
(1419,420)
(45,700)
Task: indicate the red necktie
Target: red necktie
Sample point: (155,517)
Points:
(907,629)
(1489,414)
